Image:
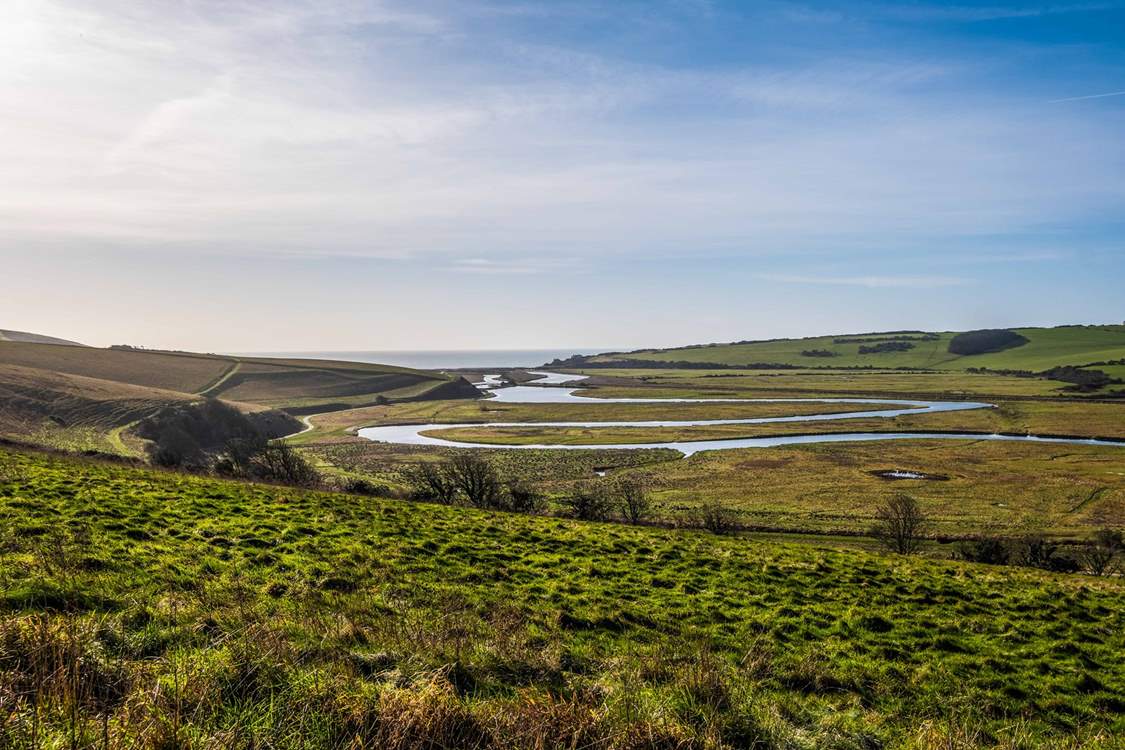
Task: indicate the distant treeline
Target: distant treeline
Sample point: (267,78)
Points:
(869,340)
(819,353)
(579,361)
(985,341)
(887,346)
(1080,378)
(582,361)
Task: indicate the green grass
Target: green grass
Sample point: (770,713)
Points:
(1046,348)
(151,609)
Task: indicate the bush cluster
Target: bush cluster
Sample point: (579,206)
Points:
(1102,556)
(469,479)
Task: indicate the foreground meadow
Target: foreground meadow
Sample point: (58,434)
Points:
(152,609)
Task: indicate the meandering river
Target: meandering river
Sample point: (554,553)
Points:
(412,434)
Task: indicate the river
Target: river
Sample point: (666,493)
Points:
(538,394)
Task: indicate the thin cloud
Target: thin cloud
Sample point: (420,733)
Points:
(871,282)
(509,267)
(1088,96)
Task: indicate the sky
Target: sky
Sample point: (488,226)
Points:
(295,175)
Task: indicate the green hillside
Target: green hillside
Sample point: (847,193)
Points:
(1046,348)
(83,398)
(142,608)
(278,383)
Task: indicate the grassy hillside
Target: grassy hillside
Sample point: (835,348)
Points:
(1046,348)
(271,382)
(84,398)
(35,338)
(149,609)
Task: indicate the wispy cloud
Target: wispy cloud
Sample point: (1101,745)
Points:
(1088,96)
(511,266)
(871,282)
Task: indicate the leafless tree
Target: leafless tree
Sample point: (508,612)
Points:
(900,525)
(434,482)
(279,462)
(633,500)
(1101,558)
(476,480)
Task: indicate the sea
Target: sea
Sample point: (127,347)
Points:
(453,359)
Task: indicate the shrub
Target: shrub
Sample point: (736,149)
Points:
(588,502)
(363,487)
(886,346)
(1036,551)
(279,462)
(716,518)
(900,524)
(523,498)
(990,550)
(1101,557)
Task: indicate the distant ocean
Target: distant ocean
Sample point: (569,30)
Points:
(445,360)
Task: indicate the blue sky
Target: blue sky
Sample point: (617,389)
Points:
(300,174)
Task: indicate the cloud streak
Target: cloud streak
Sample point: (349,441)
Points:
(1088,96)
(870,282)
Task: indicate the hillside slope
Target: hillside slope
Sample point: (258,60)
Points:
(278,383)
(1045,348)
(35,338)
(82,398)
(169,606)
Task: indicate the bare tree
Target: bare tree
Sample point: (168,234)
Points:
(279,462)
(633,500)
(476,480)
(900,524)
(434,482)
(1101,557)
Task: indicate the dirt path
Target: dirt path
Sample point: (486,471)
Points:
(235,366)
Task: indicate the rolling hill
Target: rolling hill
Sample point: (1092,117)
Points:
(87,398)
(35,338)
(1045,348)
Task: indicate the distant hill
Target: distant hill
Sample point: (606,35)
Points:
(79,396)
(35,338)
(1033,349)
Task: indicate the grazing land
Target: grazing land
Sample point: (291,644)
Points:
(1045,348)
(150,609)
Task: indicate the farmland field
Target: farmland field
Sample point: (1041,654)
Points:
(1046,348)
(154,608)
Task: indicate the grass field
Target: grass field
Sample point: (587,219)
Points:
(149,609)
(1046,348)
